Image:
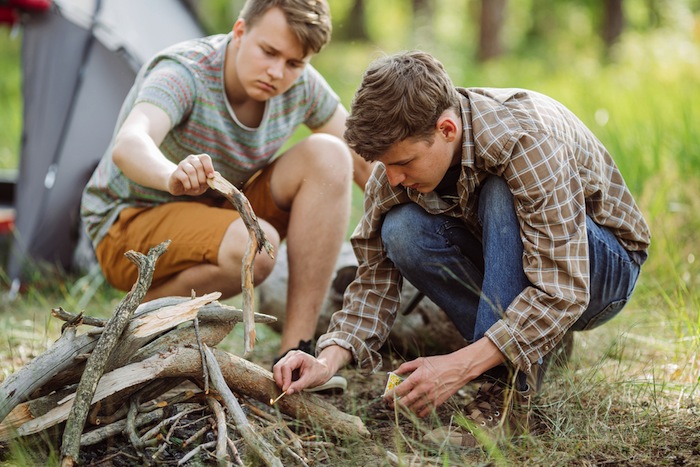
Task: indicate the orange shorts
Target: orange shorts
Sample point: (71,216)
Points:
(195,229)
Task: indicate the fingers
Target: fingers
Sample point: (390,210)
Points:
(409,367)
(419,394)
(421,400)
(193,169)
(190,176)
(297,371)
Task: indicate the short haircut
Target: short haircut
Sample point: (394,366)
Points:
(401,96)
(310,20)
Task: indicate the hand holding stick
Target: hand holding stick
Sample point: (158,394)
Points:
(256,242)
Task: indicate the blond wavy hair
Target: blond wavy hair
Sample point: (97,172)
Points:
(310,20)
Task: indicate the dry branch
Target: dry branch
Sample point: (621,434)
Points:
(144,328)
(64,315)
(249,379)
(256,242)
(60,356)
(221,431)
(100,355)
(57,368)
(258,444)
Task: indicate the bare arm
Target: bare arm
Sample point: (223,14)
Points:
(336,126)
(137,154)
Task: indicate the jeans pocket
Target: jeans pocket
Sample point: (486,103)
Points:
(606,314)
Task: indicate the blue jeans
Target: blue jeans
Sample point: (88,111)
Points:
(474,281)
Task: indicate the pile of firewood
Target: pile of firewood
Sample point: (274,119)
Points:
(138,368)
(152,369)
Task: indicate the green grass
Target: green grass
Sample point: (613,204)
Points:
(10,99)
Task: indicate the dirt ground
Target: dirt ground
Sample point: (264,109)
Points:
(560,435)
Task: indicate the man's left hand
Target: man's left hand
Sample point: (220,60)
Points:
(433,380)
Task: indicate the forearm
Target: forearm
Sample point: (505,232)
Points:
(335,357)
(479,357)
(141,161)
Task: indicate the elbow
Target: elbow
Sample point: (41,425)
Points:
(120,150)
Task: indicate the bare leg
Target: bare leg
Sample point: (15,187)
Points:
(224,277)
(312,180)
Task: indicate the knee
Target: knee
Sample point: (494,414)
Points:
(264,263)
(234,246)
(401,230)
(329,157)
(495,199)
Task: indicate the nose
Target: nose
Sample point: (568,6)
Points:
(276,69)
(394,175)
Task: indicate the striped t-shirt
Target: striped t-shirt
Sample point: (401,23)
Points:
(186,82)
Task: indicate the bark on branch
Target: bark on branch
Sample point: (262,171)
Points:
(248,378)
(256,242)
(258,444)
(99,357)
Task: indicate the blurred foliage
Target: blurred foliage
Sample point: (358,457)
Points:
(10,98)
(550,46)
(641,97)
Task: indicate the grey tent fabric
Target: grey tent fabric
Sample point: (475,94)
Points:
(79,60)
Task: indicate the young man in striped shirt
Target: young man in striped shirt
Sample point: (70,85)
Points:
(505,210)
(229,103)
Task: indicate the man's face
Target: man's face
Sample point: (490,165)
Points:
(269,57)
(418,164)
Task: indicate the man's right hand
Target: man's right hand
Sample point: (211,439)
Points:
(136,152)
(312,371)
(190,176)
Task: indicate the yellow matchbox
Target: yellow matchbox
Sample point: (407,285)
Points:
(393,381)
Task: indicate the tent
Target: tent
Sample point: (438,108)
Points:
(79,60)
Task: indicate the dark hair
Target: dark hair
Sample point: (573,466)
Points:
(310,20)
(401,96)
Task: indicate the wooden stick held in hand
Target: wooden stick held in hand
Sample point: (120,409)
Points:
(256,242)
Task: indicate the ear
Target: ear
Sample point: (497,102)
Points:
(238,29)
(448,126)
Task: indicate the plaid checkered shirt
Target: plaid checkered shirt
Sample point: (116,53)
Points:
(558,173)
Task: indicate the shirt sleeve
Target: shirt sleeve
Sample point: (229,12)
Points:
(323,101)
(372,300)
(170,86)
(549,202)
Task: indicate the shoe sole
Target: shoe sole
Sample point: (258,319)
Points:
(336,384)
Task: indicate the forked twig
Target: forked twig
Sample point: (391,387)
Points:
(256,242)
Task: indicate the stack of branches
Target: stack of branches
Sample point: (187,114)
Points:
(152,369)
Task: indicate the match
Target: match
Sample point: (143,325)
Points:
(272,401)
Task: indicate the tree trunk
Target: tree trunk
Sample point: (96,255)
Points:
(613,22)
(492,18)
(423,32)
(356,29)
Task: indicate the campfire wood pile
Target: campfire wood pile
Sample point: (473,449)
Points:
(151,374)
